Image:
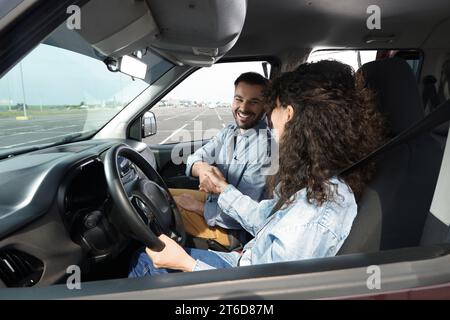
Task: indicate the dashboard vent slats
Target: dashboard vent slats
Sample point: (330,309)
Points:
(18,269)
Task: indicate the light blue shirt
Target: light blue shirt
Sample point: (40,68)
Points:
(243,163)
(300,231)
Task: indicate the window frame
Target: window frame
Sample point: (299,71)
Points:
(418,51)
(135,123)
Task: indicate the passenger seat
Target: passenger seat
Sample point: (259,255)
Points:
(393,209)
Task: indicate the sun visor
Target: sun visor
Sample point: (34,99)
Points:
(197,32)
(118,27)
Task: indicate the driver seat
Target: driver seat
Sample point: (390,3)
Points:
(395,204)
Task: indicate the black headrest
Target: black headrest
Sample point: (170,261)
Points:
(397,91)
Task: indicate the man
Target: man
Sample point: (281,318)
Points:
(239,153)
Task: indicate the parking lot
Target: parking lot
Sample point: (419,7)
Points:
(48,127)
(174,124)
(187,124)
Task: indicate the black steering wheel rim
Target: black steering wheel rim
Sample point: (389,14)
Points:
(126,216)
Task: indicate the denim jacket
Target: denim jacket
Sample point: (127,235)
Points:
(300,231)
(242,158)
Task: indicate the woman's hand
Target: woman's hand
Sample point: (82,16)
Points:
(189,203)
(217,179)
(172,256)
(199,169)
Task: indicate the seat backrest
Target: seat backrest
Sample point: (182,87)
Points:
(437,225)
(365,235)
(393,210)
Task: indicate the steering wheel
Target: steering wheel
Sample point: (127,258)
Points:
(143,208)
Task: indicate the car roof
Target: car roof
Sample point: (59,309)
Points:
(275,26)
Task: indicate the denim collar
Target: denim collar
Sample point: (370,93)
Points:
(260,125)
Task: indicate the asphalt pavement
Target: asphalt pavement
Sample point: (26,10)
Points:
(174,124)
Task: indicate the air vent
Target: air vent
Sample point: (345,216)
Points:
(18,269)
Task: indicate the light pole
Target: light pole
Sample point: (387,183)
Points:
(8,85)
(23,92)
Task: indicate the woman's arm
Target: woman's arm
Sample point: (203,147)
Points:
(250,214)
(174,257)
(299,242)
(306,231)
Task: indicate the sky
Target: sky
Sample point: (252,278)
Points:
(54,76)
(213,84)
(345,56)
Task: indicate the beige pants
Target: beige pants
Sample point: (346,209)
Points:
(195,225)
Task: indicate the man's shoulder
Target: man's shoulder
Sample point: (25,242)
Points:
(229,127)
(226,132)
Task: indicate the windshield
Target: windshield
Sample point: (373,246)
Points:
(62,91)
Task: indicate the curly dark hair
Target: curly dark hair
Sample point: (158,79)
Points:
(335,123)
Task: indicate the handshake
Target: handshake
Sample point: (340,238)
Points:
(211,179)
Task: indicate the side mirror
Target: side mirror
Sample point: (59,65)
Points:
(148,124)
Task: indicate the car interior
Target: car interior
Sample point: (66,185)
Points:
(70,204)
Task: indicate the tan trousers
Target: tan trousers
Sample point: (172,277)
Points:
(195,225)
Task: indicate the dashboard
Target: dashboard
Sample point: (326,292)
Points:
(53,210)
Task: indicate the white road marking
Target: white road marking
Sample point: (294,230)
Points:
(41,130)
(195,118)
(218,115)
(29,142)
(18,128)
(171,118)
(178,115)
(174,133)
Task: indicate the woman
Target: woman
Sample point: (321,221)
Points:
(324,121)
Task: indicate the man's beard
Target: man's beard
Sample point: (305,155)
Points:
(241,119)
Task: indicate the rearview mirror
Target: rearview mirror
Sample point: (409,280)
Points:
(133,67)
(148,124)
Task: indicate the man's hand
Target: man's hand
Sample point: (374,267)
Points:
(189,203)
(200,169)
(172,256)
(217,179)
(206,184)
